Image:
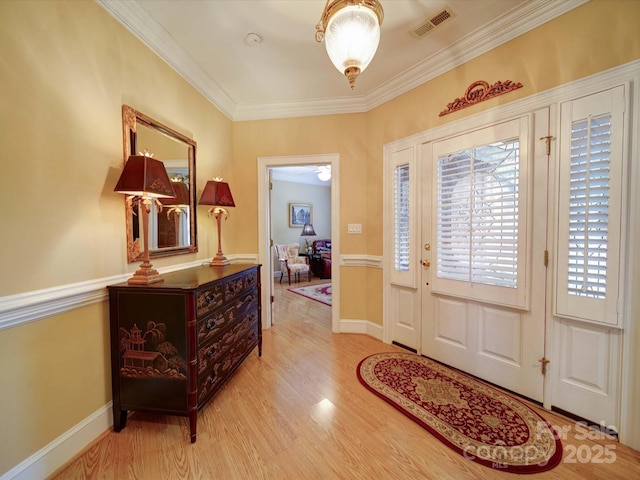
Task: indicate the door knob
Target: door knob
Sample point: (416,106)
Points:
(426,263)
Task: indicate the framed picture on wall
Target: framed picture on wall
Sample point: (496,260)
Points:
(299,214)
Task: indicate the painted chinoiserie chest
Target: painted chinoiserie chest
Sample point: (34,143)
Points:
(173,344)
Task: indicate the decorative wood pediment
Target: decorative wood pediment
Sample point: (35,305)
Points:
(479,91)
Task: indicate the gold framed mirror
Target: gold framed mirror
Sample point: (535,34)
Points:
(172,229)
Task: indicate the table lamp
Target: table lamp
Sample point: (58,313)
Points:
(144,180)
(307,231)
(217,194)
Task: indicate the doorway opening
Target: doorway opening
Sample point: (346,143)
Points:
(276,224)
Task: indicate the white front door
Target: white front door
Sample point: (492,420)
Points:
(484,236)
(504,282)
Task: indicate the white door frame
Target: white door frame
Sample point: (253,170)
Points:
(264,229)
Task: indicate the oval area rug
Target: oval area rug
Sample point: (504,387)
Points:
(478,421)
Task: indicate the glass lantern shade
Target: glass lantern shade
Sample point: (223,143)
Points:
(352,37)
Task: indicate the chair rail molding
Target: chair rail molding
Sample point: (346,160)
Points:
(26,307)
(358,260)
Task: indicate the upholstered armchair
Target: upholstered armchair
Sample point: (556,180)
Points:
(291,262)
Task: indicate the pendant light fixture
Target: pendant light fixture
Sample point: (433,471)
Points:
(351,32)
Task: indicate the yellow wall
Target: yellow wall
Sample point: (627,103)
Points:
(66,69)
(55,373)
(343,134)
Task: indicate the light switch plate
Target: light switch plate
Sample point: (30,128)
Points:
(354,228)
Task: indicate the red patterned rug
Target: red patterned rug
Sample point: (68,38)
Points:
(478,421)
(320,293)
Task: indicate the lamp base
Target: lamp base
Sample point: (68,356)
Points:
(145,276)
(219,261)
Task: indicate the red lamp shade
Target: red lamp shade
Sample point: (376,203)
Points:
(182,195)
(217,194)
(144,175)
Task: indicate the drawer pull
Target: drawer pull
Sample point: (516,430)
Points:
(214,323)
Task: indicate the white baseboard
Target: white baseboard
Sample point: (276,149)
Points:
(47,460)
(361,326)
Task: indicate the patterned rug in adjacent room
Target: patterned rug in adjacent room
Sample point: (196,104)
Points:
(478,421)
(320,293)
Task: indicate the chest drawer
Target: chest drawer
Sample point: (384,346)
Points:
(211,353)
(213,325)
(209,299)
(226,361)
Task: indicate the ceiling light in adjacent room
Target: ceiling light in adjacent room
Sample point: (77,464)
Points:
(324,172)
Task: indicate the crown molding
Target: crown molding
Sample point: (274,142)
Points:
(628,72)
(304,108)
(135,19)
(507,27)
(512,24)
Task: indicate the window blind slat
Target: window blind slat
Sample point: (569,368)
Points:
(478,214)
(589,207)
(401,219)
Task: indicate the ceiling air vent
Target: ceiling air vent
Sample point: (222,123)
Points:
(432,22)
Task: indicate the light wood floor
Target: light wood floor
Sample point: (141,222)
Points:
(299,412)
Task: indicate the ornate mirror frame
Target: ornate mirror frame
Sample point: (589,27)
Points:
(174,222)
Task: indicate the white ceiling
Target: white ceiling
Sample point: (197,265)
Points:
(290,75)
(299,174)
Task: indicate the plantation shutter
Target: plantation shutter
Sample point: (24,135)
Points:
(477,214)
(480,214)
(589,206)
(401,172)
(401,215)
(590,199)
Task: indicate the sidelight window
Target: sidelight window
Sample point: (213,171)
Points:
(401,219)
(590,205)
